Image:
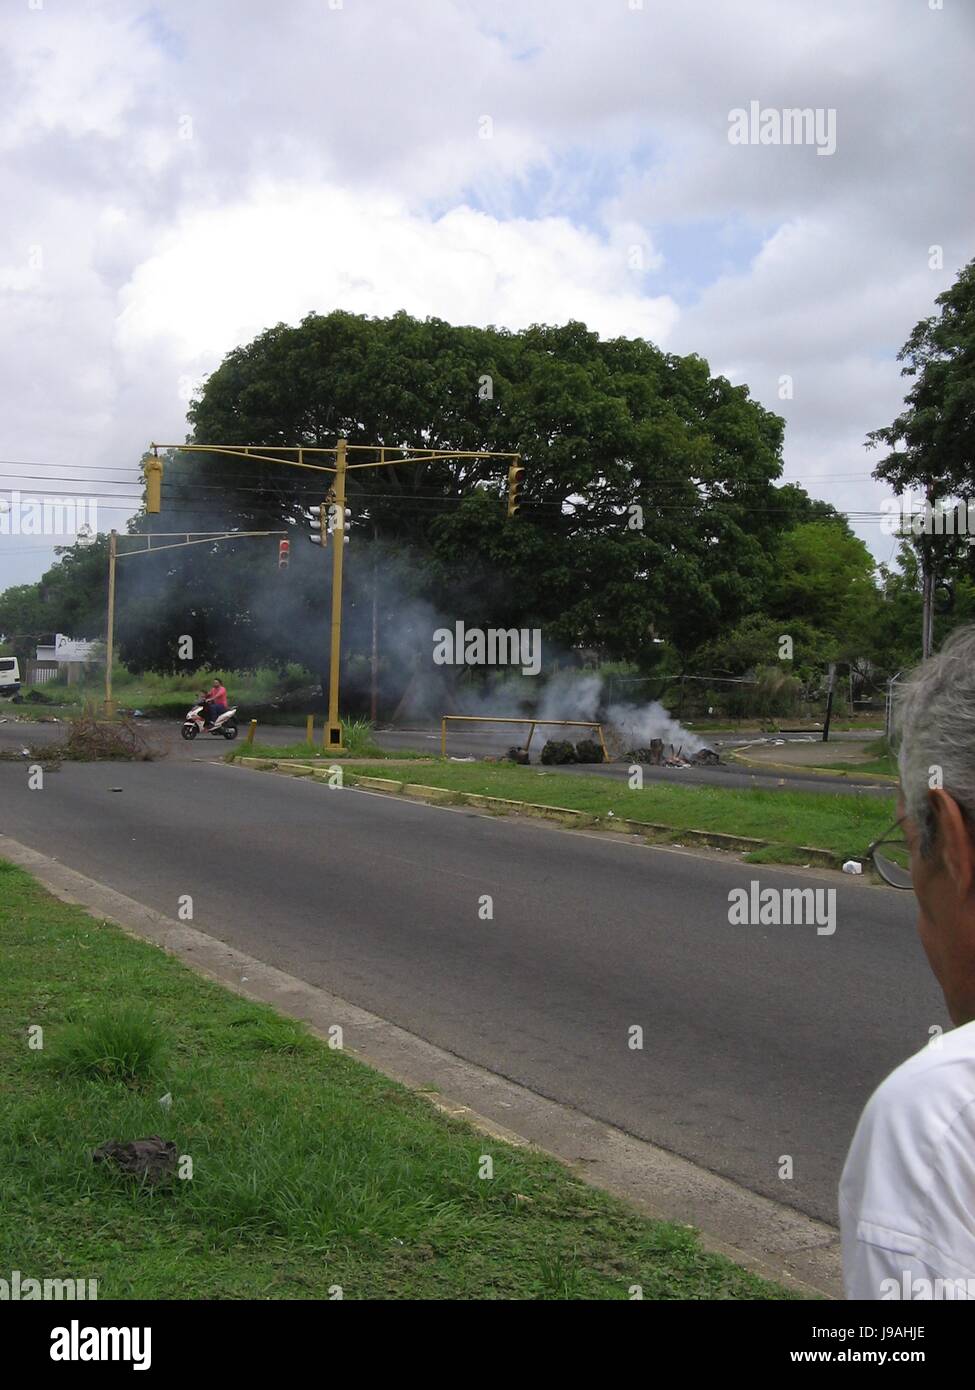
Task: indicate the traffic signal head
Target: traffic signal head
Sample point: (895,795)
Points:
(515,475)
(154,473)
(284,554)
(319,526)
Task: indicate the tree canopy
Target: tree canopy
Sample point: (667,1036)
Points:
(650,505)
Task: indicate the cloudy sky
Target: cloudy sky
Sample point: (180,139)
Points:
(179,176)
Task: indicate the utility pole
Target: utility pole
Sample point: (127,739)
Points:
(189,538)
(333,729)
(927,600)
(374,693)
(110,634)
(926,549)
(829,700)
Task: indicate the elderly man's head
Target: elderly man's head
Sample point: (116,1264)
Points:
(936,726)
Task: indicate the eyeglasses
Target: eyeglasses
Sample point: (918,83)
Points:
(897,875)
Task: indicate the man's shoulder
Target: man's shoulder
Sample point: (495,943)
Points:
(934,1088)
(908,1187)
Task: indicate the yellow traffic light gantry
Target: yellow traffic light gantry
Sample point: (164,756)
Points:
(389,456)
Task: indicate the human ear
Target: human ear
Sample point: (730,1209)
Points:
(956,850)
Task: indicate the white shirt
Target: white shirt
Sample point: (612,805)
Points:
(907,1195)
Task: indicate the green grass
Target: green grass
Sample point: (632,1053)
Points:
(876,767)
(842,824)
(309,1170)
(882,761)
(116,1044)
(305,753)
(169,696)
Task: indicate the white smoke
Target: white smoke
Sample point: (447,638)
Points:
(638,725)
(568,695)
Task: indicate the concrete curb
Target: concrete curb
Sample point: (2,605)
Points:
(879,778)
(563,815)
(774,1241)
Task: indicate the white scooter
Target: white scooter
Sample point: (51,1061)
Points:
(225,726)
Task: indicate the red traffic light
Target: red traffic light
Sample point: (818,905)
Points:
(284,554)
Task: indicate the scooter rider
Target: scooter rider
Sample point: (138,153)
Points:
(214,702)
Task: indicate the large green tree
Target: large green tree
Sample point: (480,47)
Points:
(650,501)
(932,442)
(649,498)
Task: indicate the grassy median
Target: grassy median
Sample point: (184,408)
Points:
(310,1171)
(842,824)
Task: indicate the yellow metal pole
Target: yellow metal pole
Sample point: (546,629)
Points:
(110,632)
(333,730)
(309,728)
(443,737)
(602,743)
(251,732)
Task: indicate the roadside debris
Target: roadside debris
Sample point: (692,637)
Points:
(659,756)
(91,739)
(852,867)
(150,1159)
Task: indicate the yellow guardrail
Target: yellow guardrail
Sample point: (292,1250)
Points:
(535,723)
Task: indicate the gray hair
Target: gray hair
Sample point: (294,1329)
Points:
(935,724)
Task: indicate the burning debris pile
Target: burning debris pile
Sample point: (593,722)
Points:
(633,733)
(660,755)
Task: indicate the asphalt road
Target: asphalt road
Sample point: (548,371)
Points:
(469,743)
(758,1041)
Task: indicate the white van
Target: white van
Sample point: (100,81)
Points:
(9,677)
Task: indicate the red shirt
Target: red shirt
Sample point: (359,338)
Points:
(218,694)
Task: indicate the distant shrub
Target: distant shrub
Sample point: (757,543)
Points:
(295,678)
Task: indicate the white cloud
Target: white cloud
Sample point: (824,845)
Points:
(222,276)
(194,173)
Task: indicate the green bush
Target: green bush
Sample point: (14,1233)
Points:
(295,678)
(357,738)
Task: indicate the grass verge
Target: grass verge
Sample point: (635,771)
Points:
(310,1171)
(843,825)
(314,753)
(882,761)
